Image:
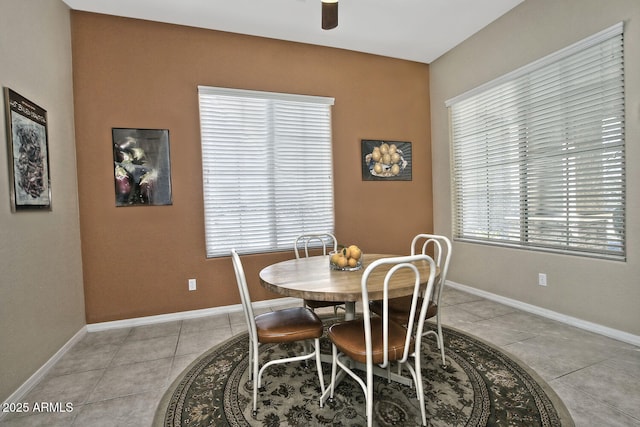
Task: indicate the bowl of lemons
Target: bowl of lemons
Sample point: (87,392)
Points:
(349,258)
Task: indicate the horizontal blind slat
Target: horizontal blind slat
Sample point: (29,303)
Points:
(267,169)
(538,158)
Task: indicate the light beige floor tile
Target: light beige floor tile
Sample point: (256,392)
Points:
(205,323)
(135,410)
(73,388)
(452,296)
(588,411)
(84,358)
(629,358)
(546,327)
(610,383)
(486,309)
(154,331)
(42,419)
(112,336)
(125,380)
(524,322)
(180,363)
(457,317)
(148,349)
(237,318)
(199,342)
(239,328)
(553,357)
(497,333)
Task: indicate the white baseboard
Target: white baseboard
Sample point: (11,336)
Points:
(563,318)
(184,315)
(34,379)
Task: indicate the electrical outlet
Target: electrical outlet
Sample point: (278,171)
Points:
(192,284)
(542,279)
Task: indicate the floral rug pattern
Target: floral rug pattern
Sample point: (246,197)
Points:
(481,386)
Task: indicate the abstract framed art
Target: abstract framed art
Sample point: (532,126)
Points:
(142,167)
(28,150)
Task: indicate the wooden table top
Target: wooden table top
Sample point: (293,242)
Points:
(312,278)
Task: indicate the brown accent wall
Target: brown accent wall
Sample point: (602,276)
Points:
(140,74)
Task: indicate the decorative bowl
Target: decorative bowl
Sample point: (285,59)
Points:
(347,267)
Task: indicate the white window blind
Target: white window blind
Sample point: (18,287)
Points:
(538,155)
(267,168)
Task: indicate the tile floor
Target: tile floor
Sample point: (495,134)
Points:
(116,377)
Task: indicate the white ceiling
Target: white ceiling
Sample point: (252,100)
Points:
(416,30)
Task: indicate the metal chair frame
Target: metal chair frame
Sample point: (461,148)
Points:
(438,242)
(409,352)
(303,241)
(325,239)
(254,344)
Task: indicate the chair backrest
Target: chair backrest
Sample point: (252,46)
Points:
(441,253)
(244,295)
(405,265)
(306,241)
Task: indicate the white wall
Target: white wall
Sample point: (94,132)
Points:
(603,292)
(41,293)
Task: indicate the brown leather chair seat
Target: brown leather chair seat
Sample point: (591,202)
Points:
(399,309)
(288,325)
(349,338)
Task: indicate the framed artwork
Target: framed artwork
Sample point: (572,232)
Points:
(386,160)
(142,167)
(28,153)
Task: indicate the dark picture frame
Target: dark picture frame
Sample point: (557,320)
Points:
(142,167)
(28,149)
(384,160)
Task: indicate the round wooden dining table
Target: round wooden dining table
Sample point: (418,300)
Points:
(312,279)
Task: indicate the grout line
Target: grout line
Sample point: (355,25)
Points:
(578,369)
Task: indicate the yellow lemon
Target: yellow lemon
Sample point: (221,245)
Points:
(352,262)
(356,253)
(342,262)
(334,258)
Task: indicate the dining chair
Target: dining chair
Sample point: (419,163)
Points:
(399,307)
(280,326)
(328,242)
(377,340)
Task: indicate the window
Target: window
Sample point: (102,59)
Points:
(538,154)
(267,169)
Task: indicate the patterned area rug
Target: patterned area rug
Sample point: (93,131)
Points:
(481,386)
